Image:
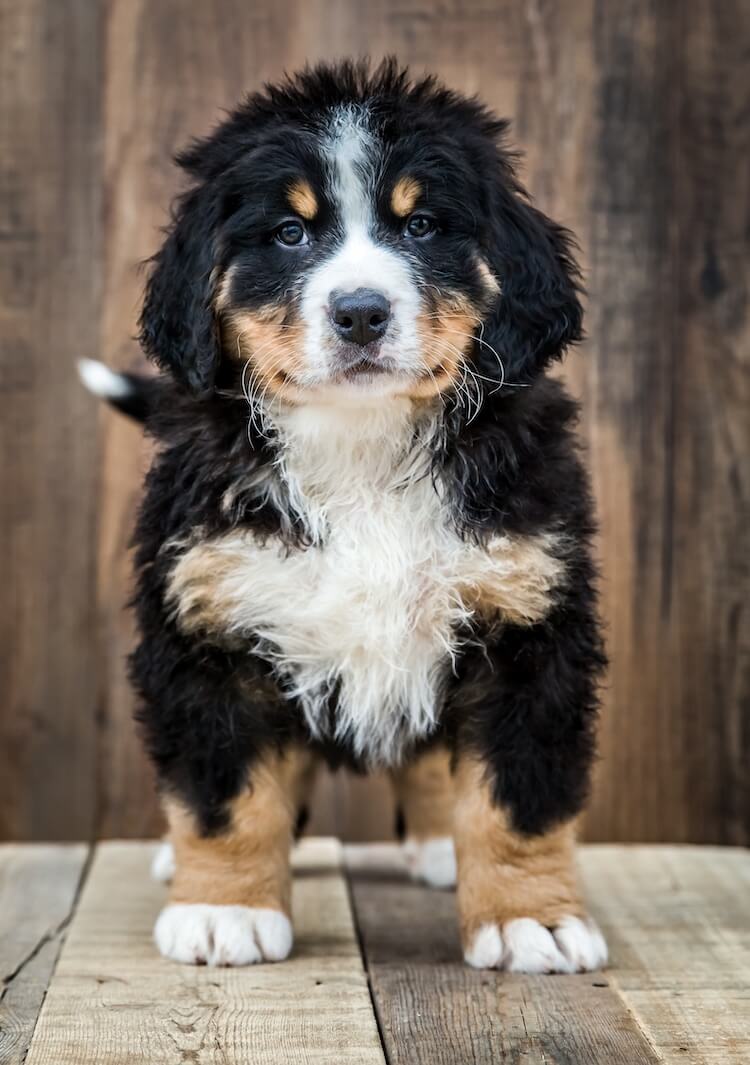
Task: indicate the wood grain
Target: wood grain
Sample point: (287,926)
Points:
(50,224)
(634,121)
(667,237)
(678,924)
(434,1009)
(677,989)
(38,888)
(314,1008)
(706,577)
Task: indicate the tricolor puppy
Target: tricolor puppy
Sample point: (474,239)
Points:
(365,534)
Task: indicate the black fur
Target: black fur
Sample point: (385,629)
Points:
(178,326)
(139,400)
(524,698)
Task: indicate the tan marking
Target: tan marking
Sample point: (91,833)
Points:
(304,780)
(197,581)
(489,280)
(446,337)
(248,863)
(513,579)
(518,581)
(405,195)
(424,792)
(271,342)
(501,874)
(222,288)
(302,199)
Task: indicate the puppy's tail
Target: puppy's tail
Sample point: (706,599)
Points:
(132,393)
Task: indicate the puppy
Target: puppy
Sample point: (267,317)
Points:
(365,534)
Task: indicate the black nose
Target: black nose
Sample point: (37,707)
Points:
(360,316)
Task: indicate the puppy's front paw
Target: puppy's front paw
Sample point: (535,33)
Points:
(431,861)
(199,934)
(526,946)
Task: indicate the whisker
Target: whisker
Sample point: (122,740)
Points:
(461,386)
(469,377)
(485,344)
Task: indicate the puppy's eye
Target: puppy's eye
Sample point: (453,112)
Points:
(291,235)
(420,225)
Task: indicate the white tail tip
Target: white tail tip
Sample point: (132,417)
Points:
(102,381)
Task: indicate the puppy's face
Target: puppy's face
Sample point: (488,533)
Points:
(352,266)
(352,237)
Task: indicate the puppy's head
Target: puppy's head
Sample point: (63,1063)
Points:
(350,236)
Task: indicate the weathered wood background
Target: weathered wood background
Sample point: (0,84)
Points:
(635,120)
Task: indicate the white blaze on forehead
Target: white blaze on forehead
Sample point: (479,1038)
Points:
(350,154)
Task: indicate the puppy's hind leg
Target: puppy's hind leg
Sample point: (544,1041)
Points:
(163,862)
(424,798)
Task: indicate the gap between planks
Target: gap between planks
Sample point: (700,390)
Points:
(39,886)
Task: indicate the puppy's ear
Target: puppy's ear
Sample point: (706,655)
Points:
(538,311)
(178,328)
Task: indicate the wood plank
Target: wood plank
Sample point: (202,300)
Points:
(314,1008)
(707,576)
(666,212)
(38,888)
(678,924)
(49,301)
(629,234)
(435,1009)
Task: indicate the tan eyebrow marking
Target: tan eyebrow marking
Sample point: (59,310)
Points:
(406,192)
(303,199)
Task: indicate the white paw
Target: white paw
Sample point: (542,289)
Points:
(163,863)
(525,946)
(199,934)
(432,861)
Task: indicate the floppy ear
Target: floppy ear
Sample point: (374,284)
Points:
(538,310)
(178,328)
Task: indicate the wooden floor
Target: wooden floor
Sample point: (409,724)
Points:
(376,975)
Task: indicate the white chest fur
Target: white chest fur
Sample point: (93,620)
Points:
(377,606)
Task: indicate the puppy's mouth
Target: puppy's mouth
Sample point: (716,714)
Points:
(362,363)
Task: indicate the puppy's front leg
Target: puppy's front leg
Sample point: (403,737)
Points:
(518,899)
(229,900)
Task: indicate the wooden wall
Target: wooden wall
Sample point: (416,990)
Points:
(635,120)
